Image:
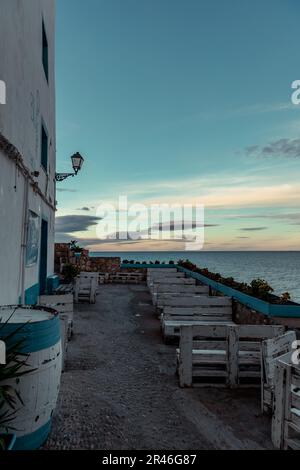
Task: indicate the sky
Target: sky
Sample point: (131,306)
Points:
(180,101)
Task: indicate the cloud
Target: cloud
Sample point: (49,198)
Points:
(180,225)
(65,190)
(293,218)
(286,148)
(75,223)
(253,229)
(243,238)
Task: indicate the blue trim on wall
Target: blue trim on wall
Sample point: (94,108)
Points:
(32,294)
(34,440)
(272,310)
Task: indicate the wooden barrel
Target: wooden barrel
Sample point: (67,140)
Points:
(39,331)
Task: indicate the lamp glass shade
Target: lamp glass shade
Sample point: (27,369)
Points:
(77,162)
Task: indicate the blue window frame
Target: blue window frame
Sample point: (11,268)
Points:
(33,239)
(45,56)
(44,147)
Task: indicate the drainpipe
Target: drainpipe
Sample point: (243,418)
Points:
(24,239)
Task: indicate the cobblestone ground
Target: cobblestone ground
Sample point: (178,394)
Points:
(120,390)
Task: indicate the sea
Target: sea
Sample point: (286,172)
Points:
(281,269)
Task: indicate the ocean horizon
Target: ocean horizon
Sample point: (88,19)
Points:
(279,268)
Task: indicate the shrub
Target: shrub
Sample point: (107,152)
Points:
(260,288)
(285,298)
(69,272)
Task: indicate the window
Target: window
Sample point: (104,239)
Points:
(44,148)
(33,238)
(45,53)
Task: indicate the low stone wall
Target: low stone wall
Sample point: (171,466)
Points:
(64,255)
(98,264)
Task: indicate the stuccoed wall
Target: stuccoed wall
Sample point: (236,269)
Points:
(30,100)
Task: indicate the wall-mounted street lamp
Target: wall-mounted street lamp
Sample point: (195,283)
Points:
(77,162)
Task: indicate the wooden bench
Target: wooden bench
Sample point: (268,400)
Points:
(212,309)
(221,355)
(127,278)
(271,350)
(286,417)
(159,277)
(163,300)
(175,282)
(85,288)
(152,271)
(161,291)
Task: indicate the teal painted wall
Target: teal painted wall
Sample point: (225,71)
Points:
(32,294)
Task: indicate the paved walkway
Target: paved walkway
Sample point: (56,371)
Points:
(120,390)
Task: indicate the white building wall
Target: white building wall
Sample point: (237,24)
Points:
(30,100)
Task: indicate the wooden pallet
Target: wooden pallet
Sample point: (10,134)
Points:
(126,278)
(286,417)
(271,350)
(222,355)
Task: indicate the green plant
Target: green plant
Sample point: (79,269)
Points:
(260,288)
(69,272)
(285,298)
(75,247)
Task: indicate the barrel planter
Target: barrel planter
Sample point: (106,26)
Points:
(39,329)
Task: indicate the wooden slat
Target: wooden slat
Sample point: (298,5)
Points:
(171,288)
(209,373)
(186,357)
(206,301)
(279,406)
(260,331)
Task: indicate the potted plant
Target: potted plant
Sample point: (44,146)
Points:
(77,250)
(16,366)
